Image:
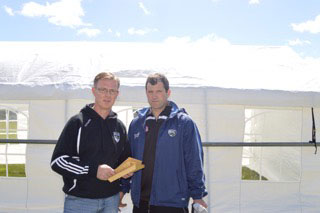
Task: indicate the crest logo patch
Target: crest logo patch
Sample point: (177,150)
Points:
(172,132)
(116,136)
(136,135)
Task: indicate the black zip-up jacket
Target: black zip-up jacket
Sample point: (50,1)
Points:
(86,142)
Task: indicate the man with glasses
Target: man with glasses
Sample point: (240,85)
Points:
(92,144)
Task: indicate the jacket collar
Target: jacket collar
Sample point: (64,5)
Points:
(174,110)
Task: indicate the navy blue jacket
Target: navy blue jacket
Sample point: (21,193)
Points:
(178,169)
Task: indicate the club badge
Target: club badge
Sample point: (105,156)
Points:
(172,132)
(116,136)
(136,135)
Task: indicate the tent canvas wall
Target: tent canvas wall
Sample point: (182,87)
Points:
(224,88)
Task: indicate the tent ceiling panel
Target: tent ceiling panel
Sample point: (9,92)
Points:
(230,74)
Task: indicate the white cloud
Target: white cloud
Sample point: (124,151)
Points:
(312,26)
(212,38)
(254,1)
(114,33)
(118,34)
(133,31)
(8,10)
(299,42)
(145,10)
(89,32)
(65,13)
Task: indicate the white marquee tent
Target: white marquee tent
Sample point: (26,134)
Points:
(234,93)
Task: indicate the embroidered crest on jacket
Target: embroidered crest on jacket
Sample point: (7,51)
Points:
(116,136)
(172,132)
(136,135)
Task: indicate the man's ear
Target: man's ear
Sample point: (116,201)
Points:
(93,91)
(118,93)
(168,93)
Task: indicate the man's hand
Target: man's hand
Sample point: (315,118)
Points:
(104,172)
(121,205)
(127,175)
(201,202)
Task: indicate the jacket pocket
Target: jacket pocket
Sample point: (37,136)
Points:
(179,181)
(182,184)
(169,189)
(73,186)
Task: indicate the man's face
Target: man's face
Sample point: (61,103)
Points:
(157,96)
(105,93)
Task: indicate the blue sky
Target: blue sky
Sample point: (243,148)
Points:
(293,23)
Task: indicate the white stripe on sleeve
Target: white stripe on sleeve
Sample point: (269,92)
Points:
(78,140)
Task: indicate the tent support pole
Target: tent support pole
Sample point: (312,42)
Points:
(66,103)
(207,139)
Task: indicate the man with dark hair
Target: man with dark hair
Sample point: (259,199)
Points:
(166,139)
(92,144)
(153,79)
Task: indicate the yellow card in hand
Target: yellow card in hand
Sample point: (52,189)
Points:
(127,166)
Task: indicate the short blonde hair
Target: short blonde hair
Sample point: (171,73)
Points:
(105,75)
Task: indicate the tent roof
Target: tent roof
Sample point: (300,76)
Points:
(54,70)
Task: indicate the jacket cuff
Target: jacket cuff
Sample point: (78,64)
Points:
(125,185)
(200,196)
(93,170)
(125,189)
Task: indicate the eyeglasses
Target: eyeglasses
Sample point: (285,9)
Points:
(107,91)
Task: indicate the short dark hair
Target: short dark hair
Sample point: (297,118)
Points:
(105,75)
(154,78)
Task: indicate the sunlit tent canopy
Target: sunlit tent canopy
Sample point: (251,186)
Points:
(234,93)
